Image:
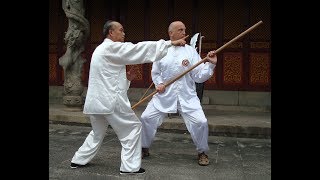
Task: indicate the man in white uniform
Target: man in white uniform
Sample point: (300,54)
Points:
(180,95)
(107,100)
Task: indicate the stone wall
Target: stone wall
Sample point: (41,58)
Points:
(210,97)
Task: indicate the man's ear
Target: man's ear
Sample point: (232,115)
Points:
(110,32)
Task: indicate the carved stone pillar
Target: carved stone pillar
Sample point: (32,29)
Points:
(72,61)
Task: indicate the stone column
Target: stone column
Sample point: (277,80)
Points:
(72,61)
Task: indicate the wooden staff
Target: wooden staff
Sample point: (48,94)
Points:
(192,67)
(146,91)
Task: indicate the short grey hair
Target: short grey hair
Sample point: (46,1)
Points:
(107,26)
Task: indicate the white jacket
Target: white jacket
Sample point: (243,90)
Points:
(108,84)
(184,89)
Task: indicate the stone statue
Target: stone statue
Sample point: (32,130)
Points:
(72,61)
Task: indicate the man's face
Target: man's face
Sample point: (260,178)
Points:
(117,32)
(178,31)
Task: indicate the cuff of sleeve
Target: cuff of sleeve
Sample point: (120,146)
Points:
(158,82)
(212,65)
(128,84)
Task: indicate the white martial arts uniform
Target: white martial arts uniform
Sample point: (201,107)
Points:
(180,95)
(107,100)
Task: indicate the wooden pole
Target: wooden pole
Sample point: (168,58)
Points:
(146,91)
(195,65)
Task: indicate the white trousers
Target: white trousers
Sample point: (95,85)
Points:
(195,121)
(127,127)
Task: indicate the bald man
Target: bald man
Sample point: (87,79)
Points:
(179,96)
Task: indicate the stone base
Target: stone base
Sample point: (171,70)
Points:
(73,101)
(73,109)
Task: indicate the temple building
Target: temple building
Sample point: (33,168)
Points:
(242,76)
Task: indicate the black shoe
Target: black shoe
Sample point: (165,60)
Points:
(141,171)
(74,165)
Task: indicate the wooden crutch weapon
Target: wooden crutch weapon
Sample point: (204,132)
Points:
(192,67)
(146,91)
(200,43)
(191,45)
